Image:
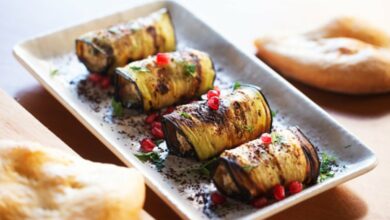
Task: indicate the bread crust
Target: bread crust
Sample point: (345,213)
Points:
(43,183)
(346,56)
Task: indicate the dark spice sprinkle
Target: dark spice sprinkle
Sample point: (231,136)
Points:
(193,186)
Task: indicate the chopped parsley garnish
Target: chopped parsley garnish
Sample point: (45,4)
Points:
(248,167)
(274,113)
(152,157)
(53,72)
(117,108)
(326,168)
(139,68)
(189,69)
(185,115)
(236,85)
(158,141)
(204,169)
(276,138)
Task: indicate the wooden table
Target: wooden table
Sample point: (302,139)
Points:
(368,117)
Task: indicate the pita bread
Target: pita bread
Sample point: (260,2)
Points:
(44,183)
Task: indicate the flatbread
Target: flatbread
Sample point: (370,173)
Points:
(346,55)
(37,182)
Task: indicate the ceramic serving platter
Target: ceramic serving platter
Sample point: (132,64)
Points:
(50,59)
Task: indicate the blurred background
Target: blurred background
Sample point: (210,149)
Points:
(240,22)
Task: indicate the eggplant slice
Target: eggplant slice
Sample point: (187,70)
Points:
(144,84)
(103,50)
(194,130)
(254,168)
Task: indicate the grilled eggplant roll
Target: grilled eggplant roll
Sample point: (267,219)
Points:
(194,130)
(143,84)
(103,50)
(254,168)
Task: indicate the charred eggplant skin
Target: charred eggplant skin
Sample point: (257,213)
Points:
(144,84)
(196,130)
(255,168)
(103,50)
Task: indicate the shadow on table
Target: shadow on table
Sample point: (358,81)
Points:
(337,203)
(56,118)
(358,105)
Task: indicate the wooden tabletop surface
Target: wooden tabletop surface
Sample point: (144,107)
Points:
(368,117)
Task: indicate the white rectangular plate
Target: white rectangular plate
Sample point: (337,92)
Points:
(56,50)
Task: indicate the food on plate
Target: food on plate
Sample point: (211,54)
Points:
(267,164)
(103,50)
(346,55)
(165,79)
(200,130)
(37,182)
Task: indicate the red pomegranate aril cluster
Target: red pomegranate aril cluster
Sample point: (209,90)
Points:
(217,198)
(266,138)
(94,78)
(157,132)
(213,103)
(105,83)
(147,145)
(295,187)
(279,192)
(151,117)
(259,202)
(97,79)
(212,93)
(156,124)
(162,59)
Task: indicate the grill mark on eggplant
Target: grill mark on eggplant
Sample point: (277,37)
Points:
(151,30)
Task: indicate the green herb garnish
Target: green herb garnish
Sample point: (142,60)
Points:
(152,157)
(117,108)
(204,169)
(274,113)
(326,168)
(185,115)
(158,141)
(139,68)
(236,85)
(276,138)
(189,69)
(248,167)
(53,72)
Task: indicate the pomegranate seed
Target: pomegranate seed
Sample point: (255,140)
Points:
(266,138)
(105,82)
(212,93)
(157,133)
(259,202)
(295,187)
(94,78)
(147,145)
(213,103)
(169,110)
(151,117)
(279,192)
(162,59)
(156,124)
(217,198)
